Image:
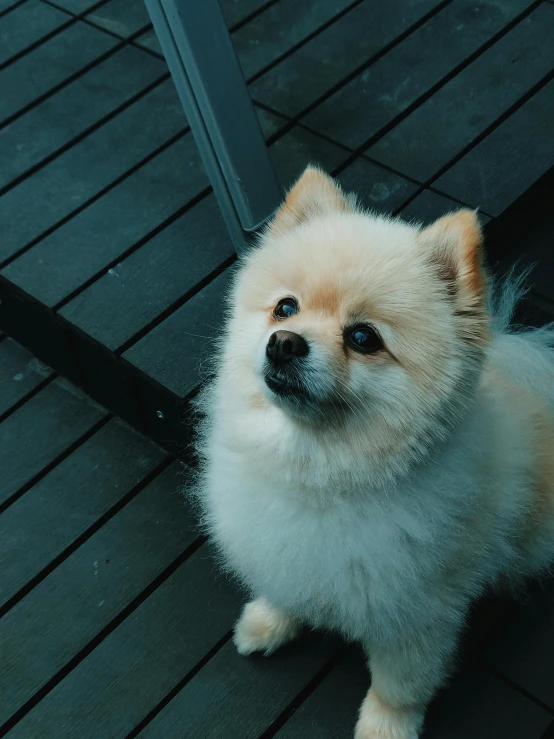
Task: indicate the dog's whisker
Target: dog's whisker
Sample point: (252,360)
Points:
(211,339)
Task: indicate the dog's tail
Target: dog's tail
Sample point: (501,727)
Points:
(526,353)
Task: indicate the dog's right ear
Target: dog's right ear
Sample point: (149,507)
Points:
(313,194)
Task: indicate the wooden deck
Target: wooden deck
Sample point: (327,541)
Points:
(113,259)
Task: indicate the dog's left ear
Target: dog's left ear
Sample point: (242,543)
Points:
(455,244)
(313,194)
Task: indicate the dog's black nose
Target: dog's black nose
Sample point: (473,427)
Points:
(284,346)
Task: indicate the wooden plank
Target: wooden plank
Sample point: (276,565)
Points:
(60,118)
(117,220)
(427,207)
(26,25)
(20,373)
(475,705)
(39,431)
(236,697)
(336,52)
(149,40)
(283,25)
(235,11)
(84,170)
(69,500)
(49,65)
(389,86)
(509,160)
(134,667)
(90,588)
(75,6)
(292,153)
(430,205)
(453,117)
(332,709)
(5,5)
(270,123)
(141,202)
(129,297)
(112,224)
(186,336)
(120,17)
(377,188)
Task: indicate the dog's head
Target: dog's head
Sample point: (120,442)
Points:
(343,317)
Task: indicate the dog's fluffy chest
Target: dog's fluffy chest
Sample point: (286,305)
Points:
(332,565)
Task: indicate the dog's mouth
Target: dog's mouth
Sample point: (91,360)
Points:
(284,387)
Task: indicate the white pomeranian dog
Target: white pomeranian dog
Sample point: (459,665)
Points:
(377,446)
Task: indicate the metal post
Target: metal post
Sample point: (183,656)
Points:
(212,89)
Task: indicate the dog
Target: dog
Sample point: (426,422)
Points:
(377,442)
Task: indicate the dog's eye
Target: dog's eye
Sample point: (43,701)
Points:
(286,308)
(364,339)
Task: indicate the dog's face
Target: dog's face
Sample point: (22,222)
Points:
(340,316)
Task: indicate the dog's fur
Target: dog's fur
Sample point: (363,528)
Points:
(406,481)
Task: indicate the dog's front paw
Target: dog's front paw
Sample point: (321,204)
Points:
(263,628)
(379,720)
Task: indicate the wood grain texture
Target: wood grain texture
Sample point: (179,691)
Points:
(335,53)
(110,225)
(135,666)
(20,373)
(49,65)
(501,168)
(120,17)
(69,500)
(233,696)
(395,81)
(5,5)
(377,189)
(39,431)
(187,336)
(84,170)
(71,111)
(74,6)
(451,119)
(81,596)
(26,25)
(122,216)
(235,11)
(141,287)
(430,205)
(280,27)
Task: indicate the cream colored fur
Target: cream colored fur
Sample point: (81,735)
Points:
(412,478)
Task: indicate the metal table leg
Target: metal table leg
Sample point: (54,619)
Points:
(210,84)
